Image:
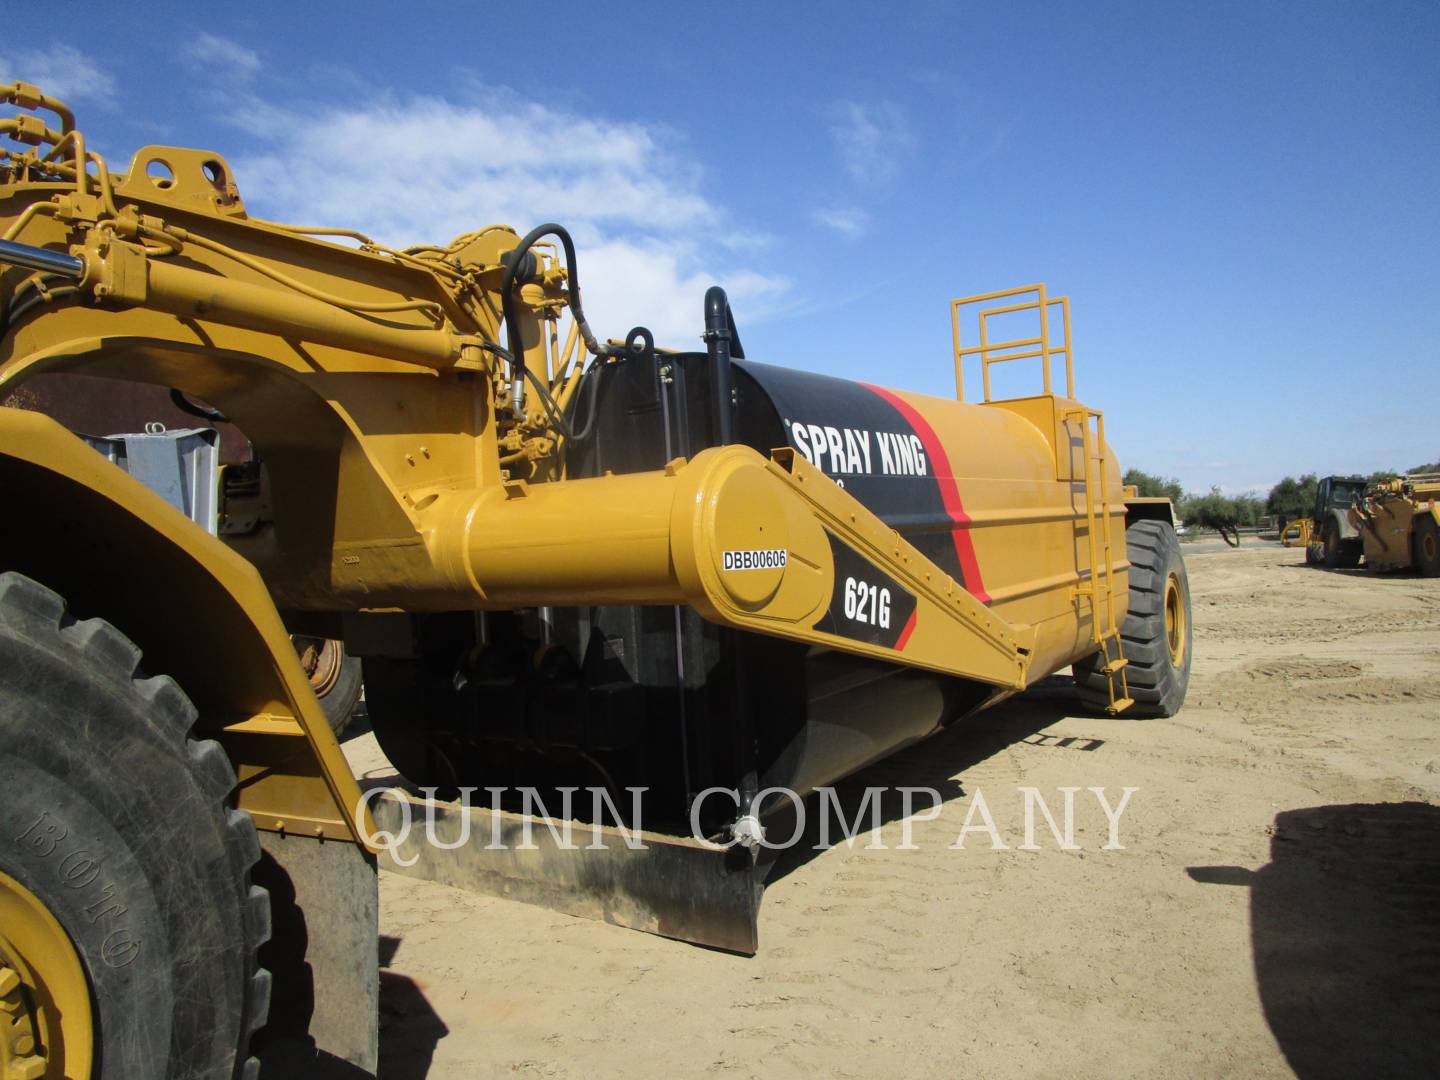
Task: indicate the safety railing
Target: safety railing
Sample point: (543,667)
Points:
(1027,298)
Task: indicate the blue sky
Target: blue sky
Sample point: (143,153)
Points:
(1239,198)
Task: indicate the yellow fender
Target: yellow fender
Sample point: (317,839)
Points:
(199,612)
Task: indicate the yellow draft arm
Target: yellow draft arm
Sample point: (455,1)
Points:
(772,546)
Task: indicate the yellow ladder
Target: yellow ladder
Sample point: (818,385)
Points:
(1104,627)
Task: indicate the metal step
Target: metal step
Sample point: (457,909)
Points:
(1115,665)
(1120,705)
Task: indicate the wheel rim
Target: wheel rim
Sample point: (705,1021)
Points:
(45,1023)
(322,659)
(1429,547)
(1175,620)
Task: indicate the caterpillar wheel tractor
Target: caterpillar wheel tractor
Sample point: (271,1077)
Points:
(564,561)
(1332,540)
(1399,524)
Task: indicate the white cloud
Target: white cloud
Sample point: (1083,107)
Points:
(61,71)
(219,56)
(661,284)
(873,139)
(848,220)
(424,167)
(410,169)
(420,169)
(1258,489)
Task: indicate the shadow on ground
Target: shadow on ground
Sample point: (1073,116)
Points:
(938,763)
(410,1029)
(359,723)
(1345,930)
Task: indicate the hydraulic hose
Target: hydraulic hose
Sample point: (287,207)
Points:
(518,262)
(592,378)
(557,417)
(185,405)
(639,345)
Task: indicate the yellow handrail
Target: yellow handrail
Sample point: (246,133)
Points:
(1104,621)
(1034,298)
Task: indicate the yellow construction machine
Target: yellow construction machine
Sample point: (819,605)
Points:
(1329,536)
(565,561)
(1297,534)
(1399,524)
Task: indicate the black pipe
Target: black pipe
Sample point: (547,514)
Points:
(722,342)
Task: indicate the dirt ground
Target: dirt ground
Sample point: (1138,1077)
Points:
(1274,909)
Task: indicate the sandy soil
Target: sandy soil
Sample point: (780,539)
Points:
(1273,910)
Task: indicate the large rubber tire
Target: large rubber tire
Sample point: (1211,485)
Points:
(340,703)
(1330,542)
(1427,546)
(1351,552)
(117,821)
(1159,670)
(340,693)
(1339,553)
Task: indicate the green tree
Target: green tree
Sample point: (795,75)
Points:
(1216,509)
(1152,486)
(1249,509)
(1209,511)
(1292,498)
(1433,467)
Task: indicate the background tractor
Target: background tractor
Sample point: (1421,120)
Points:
(1399,524)
(1393,524)
(1331,539)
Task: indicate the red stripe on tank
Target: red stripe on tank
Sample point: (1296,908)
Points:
(907,631)
(949,492)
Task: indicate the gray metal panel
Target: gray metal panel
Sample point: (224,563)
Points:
(182,467)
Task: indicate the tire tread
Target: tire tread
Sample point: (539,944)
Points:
(1152,682)
(36,612)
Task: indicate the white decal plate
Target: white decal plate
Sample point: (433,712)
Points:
(764,559)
